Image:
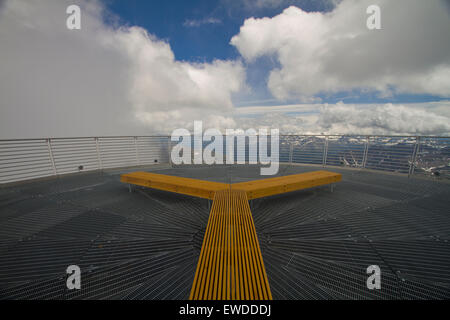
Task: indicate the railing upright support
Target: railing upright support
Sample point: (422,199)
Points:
(50,153)
(99,159)
(325,152)
(366,152)
(169,150)
(138,162)
(412,164)
(291,153)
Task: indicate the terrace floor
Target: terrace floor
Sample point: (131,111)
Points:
(316,244)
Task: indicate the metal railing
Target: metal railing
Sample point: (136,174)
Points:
(402,154)
(24,159)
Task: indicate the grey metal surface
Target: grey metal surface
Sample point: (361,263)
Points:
(140,245)
(316,244)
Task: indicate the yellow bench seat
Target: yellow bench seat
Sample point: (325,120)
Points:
(272,186)
(187,186)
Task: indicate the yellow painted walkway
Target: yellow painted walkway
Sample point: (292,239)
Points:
(230,265)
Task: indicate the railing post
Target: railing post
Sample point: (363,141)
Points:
(366,152)
(412,165)
(99,159)
(291,152)
(169,150)
(325,152)
(50,153)
(138,162)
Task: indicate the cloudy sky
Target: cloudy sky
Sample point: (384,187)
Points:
(148,67)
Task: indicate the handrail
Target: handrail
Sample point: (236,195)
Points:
(281,135)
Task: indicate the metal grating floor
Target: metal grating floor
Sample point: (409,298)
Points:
(145,245)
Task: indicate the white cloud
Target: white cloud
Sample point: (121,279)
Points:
(253,6)
(265,3)
(102,80)
(162,86)
(367,119)
(334,52)
(99,80)
(383,119)
(198,23)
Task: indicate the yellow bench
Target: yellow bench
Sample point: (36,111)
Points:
(272,186)
(254,189)
(230,265)
(187,186)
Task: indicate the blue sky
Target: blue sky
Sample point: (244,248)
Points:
(205,42)
(303,66)
(201,30)
(169,20)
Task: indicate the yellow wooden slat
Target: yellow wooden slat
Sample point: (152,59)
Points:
(264,282)
(195,291)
